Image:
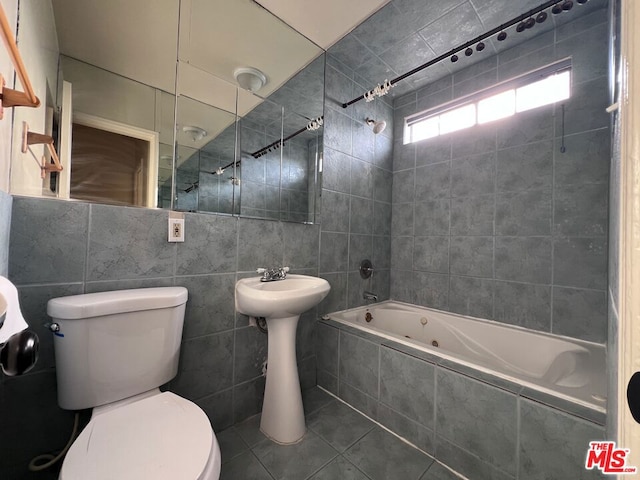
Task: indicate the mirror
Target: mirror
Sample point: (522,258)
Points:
(121,136)
(260,175)
(206,139)
(273,172)
(124,91)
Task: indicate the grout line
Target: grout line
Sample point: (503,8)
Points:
(404,440)
(554,157)
(85,278)
(338,454)
(518,425)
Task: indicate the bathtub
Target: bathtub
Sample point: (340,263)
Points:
(569,369)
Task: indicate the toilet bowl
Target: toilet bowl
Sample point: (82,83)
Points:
(113,350)
(160,437)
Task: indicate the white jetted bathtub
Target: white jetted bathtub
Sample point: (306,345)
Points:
(560,366)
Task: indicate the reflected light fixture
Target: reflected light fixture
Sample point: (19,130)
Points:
(250,78)
(196,133)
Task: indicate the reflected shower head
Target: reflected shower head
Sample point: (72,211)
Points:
(378,127)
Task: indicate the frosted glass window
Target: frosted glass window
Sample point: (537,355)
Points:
(428,128)
(543,92)
(535,89)
(463,117)
(497,106)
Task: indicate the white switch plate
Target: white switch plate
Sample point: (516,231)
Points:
(176,230)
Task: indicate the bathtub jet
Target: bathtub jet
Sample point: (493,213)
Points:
(564,367)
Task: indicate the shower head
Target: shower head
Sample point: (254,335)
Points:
(378,127)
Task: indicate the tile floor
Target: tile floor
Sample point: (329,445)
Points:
(340,444)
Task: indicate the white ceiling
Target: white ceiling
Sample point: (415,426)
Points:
(139,39)
(136,39)
(142,40)
(326,22)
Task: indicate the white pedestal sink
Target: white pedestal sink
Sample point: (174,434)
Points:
(281,302)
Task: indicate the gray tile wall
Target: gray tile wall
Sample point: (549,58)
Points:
(63,248)
(5,228)
(482,426)
(494,221)
(356,192)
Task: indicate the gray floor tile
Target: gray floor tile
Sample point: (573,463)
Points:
(314,399)
(382,456)
(339,425)
(249,430)
(245,466)
(295,462)
(231,444)
(438,472)
(340,469)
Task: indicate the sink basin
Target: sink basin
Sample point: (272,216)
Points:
(282,298)
(281,302)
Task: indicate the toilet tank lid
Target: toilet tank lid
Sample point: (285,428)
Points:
(110,303)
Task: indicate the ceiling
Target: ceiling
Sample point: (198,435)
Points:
(324,23)
(139,39)
(407,33)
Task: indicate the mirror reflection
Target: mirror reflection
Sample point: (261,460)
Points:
(117,105)
(205,138)
(273,172)
(121,135)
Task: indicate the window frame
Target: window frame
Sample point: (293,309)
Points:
(475,97)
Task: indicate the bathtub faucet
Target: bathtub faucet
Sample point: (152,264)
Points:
(273,274)
(370,296)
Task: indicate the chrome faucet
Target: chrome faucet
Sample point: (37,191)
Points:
(370,296)
(273,274)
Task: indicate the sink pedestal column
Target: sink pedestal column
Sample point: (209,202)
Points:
(282,412)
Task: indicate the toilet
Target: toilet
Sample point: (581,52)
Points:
(113,351)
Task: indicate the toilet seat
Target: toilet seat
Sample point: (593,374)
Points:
(161,437)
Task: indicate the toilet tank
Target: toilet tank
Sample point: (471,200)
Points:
(114,345)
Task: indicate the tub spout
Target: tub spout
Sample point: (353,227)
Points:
(370,296)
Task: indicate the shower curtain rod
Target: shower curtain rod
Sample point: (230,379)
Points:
(476,40)
(276,144)
(264,150)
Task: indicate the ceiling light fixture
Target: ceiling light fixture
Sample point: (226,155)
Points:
(250,78)
(196,133)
